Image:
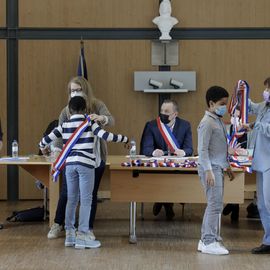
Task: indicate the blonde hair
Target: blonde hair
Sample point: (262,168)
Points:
(87,90)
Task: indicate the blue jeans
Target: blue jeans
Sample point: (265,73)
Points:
(263,202)
(62,202)
(80,185)
(214,196)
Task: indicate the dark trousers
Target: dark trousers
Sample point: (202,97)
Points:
(62,202)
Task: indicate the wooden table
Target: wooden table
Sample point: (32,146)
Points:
(40,168)
(179,185)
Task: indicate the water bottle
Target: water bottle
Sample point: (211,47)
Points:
(132,151)
(15,149)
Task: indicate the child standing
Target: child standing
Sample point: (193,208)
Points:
(80,164)
(213,159)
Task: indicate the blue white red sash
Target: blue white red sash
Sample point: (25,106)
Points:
(236,164)
(168,136)
(239,101)
(61,159)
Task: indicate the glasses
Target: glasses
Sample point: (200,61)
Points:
(76,90)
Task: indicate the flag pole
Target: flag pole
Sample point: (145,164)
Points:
(82,43)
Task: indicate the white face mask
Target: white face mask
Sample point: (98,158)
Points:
(76,94)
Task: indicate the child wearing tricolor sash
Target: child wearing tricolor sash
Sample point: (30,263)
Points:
(78,137)
(213,160)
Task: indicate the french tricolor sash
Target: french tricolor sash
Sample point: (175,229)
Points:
(168,136)
(239,101)
(59,164)
(236,164)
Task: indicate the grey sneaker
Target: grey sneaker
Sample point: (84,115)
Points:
(84,240)
(70,238)
(55,231)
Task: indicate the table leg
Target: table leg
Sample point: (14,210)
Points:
(132,223)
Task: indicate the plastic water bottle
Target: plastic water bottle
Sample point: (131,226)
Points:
(15,149)
(132,151)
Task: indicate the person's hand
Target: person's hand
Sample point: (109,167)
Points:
(230,173)
(248,127)
(1,145)
(45,151)
(210,178)
(127,145)
(180,153)
(158,153)
(97,118)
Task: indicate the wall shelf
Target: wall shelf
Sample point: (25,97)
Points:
(165,90)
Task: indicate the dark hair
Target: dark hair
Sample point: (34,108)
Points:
(77,104)
(215,93)
(174,103)
(267,81)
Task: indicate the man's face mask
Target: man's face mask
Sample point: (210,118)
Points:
(164,118)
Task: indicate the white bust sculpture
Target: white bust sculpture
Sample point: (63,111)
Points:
(165,22)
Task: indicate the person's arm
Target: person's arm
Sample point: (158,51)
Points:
(56,133)
(204,136)
(187,144)
(58,143)
(253,108)
(264,128)
(105,135)
(147,143)
(103,115)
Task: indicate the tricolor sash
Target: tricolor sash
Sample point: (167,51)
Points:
(59,164)
(239,101)
(168,136)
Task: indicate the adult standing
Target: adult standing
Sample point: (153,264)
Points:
(260,162)
(79,86)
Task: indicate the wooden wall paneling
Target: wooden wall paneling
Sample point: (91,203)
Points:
(2,13)
(3,116)
(220,13)
(85,13)
(44,70)
(139,13)
(221,63)
(43,78)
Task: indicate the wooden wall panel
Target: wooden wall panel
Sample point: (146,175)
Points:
(85,13)
(2,13)
(46,66)
(3,109)
(139,13)
(44,70)
(222,13)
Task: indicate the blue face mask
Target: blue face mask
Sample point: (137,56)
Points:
(221,110)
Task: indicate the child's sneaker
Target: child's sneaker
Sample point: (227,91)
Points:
(214,248)
(83,240)
(70,238)
(200,245)
(55,231)
(92,236)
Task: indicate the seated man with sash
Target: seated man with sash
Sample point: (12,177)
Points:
(167,135)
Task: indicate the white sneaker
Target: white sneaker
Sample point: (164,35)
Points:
(200,244)
(83,241)
(215,249)
(91,235)
(55,231)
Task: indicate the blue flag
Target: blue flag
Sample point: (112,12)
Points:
(82,70)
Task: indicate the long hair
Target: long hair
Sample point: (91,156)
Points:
(87,90)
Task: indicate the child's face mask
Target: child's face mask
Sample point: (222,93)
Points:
(221,110)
